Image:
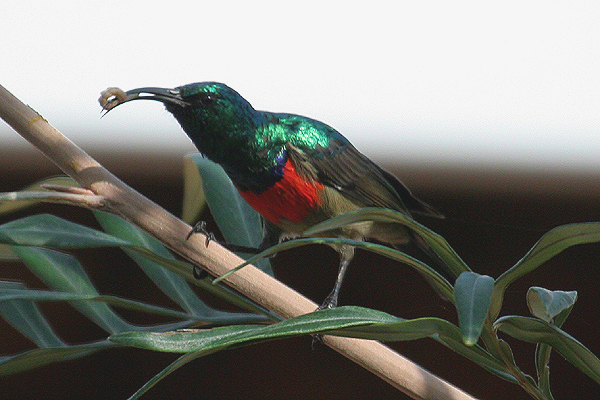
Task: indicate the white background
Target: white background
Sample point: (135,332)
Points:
(513,83)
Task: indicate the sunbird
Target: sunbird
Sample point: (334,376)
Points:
(293,170)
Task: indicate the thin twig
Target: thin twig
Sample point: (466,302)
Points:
(91,201)
(252,282)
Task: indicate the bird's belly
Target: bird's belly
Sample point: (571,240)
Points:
(290,201)
(295,203)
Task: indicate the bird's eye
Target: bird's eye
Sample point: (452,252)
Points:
(202,99)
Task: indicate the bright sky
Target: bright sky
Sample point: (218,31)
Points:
(508,82)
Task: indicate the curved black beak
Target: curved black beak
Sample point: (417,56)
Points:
(112,97)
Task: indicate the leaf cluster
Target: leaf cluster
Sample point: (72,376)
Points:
(42,243)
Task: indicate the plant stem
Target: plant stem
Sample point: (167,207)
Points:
(492,342)
(258,286)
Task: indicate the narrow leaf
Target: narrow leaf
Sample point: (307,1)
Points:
(45,230)
(26,317)
(343,321)
(63,272)
(171,283)
(472,295)
(433,276)
(180,362)
(49,231)
(551,244)
(40,357)
(538,331)
(440,330)
(185,341)
(437,243)
(7,295)
(543,369)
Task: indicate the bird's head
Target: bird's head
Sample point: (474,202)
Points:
(207,111)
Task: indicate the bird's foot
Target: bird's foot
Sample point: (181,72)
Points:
(329,303)
(200,227)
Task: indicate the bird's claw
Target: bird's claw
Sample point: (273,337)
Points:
(200,227)
(329,303)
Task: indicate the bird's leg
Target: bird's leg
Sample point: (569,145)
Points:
(332,299)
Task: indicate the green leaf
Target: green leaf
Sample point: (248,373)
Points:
(45,230)
(438,329)
(185,341)
(551,244)
(63,272)
(543,369)
(238,222)
(405,330)
(547,304)
(229,209)
(227,336)
(433,276)
(40,357)
(343,321)
(538,331)
(472,295)
(7,295)
(172,284)
(50,231)
(180,362)
(26,317)
(506,352)
(437,243)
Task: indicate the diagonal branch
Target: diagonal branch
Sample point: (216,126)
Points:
(258,286)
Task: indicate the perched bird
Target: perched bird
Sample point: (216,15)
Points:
(293,170)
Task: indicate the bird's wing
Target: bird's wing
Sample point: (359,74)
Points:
(343,167)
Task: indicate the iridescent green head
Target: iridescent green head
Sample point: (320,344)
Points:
(212,108)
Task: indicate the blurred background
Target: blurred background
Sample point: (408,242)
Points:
(488,111)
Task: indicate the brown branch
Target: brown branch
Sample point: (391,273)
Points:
(258,286)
